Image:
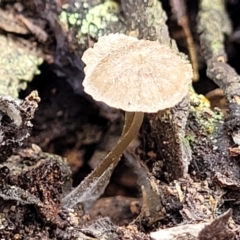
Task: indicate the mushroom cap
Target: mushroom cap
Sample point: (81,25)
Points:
(135,75)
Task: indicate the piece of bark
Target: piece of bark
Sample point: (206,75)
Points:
(168,130)
(216,229)
(15,123)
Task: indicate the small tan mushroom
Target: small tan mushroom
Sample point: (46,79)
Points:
(136,76)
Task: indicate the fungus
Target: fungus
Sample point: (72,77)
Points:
(136,76)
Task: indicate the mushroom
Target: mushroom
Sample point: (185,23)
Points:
(136,76)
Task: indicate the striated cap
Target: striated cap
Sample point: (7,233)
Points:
(135,75)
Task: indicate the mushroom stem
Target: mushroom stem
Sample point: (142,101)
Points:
(127,123)
(133,122)
(131,128)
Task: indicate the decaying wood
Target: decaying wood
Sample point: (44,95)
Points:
(186,165)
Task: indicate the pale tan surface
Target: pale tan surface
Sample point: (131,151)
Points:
(135,75)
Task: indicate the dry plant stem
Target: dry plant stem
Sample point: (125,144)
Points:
(192,53)
(36,30)
(179,10)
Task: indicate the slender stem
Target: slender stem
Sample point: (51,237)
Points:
(115,154)
(133,122)
(127,122)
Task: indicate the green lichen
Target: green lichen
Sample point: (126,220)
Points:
(213,25)
(98,18)
(190,139)
(18,65)
(91,21)
(200,107)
